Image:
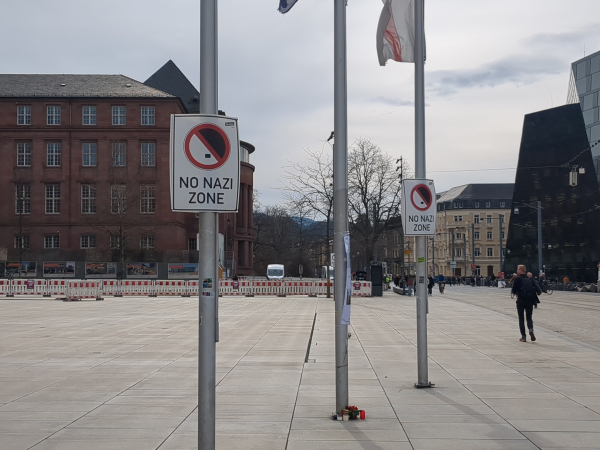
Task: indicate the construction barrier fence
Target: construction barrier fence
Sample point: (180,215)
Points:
(85,289)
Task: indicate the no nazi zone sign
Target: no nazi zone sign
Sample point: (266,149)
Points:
(204,163)
(418,204)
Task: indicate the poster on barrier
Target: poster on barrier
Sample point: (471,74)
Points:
(28,269)
(181,271)
(100,270)
(59,269)
(142,270)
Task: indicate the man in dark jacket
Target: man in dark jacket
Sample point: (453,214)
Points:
(525,290)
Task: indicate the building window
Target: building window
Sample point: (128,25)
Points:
(502,204)
(459,235)
(477,252)
(53,199)
(89,115)
(458,218)
(118,115)
(119,152)
(146,241)
(503,235)
(23,115)
(53,115)
(118,199)
(87,241)
(476,219)
(490,251)
(476,235)
(489,235)
(476,204)
(88,199)
(115,242)
(458,252)
(89,154)
(489,219)
(147,199)
(21,241)
(147,115)
(488,204)
(23,199)
(24,154)
(503,252)
(148,154)
(192,244)
(53,154)
(52,241)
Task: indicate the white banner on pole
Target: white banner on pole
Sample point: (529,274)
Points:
(348,291)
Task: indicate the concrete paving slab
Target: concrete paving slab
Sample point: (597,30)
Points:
(124,370)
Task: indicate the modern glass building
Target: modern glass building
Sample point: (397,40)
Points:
(555,168)
(584,88)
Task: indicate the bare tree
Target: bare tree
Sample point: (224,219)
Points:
(374,190)
(308,191)
(276,236)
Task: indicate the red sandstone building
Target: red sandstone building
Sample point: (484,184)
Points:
(84,174)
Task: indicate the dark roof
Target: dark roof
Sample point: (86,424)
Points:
(17,85)
(172,80)
(488,191)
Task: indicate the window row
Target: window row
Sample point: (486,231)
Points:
(473,204)
(85,241)
(88,115)
(118,198)
(89,154)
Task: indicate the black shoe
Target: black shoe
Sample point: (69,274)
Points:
(523,339)
(532,336)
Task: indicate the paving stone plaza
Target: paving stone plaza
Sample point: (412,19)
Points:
(122,374)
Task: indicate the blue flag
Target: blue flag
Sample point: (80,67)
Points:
(286,5)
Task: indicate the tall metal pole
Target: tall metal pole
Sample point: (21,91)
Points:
(465,256)
(539,217)
(473,245)
(501,220)
(453,256)
(208,242)
(420,172)
(340,203)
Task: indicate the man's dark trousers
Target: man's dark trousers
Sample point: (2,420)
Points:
(525,308)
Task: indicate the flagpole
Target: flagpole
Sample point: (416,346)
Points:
(208,242)
(420,173)
(340,202)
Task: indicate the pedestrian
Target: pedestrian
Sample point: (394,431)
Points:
(525,289)
(410,286)
(397,280)
(537,288)
(430,285)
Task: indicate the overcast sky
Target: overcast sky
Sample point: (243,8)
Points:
(489,62)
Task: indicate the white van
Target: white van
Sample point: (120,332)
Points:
(275,272)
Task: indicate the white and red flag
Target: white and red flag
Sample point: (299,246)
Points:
(396,31)
(286,5)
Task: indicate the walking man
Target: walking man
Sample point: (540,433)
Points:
(525,290)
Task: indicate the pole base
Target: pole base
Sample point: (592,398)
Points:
(423,386)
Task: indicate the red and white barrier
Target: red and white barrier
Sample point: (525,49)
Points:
(57,287)
(78,290)
(243,287)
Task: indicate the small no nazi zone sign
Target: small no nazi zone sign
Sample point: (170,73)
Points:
(418,207)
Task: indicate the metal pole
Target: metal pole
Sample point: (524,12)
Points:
(208,242)
(340,202)
(465,256)
(453,256)
(501,220)
(420,172)
(539,217)
(473,245)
